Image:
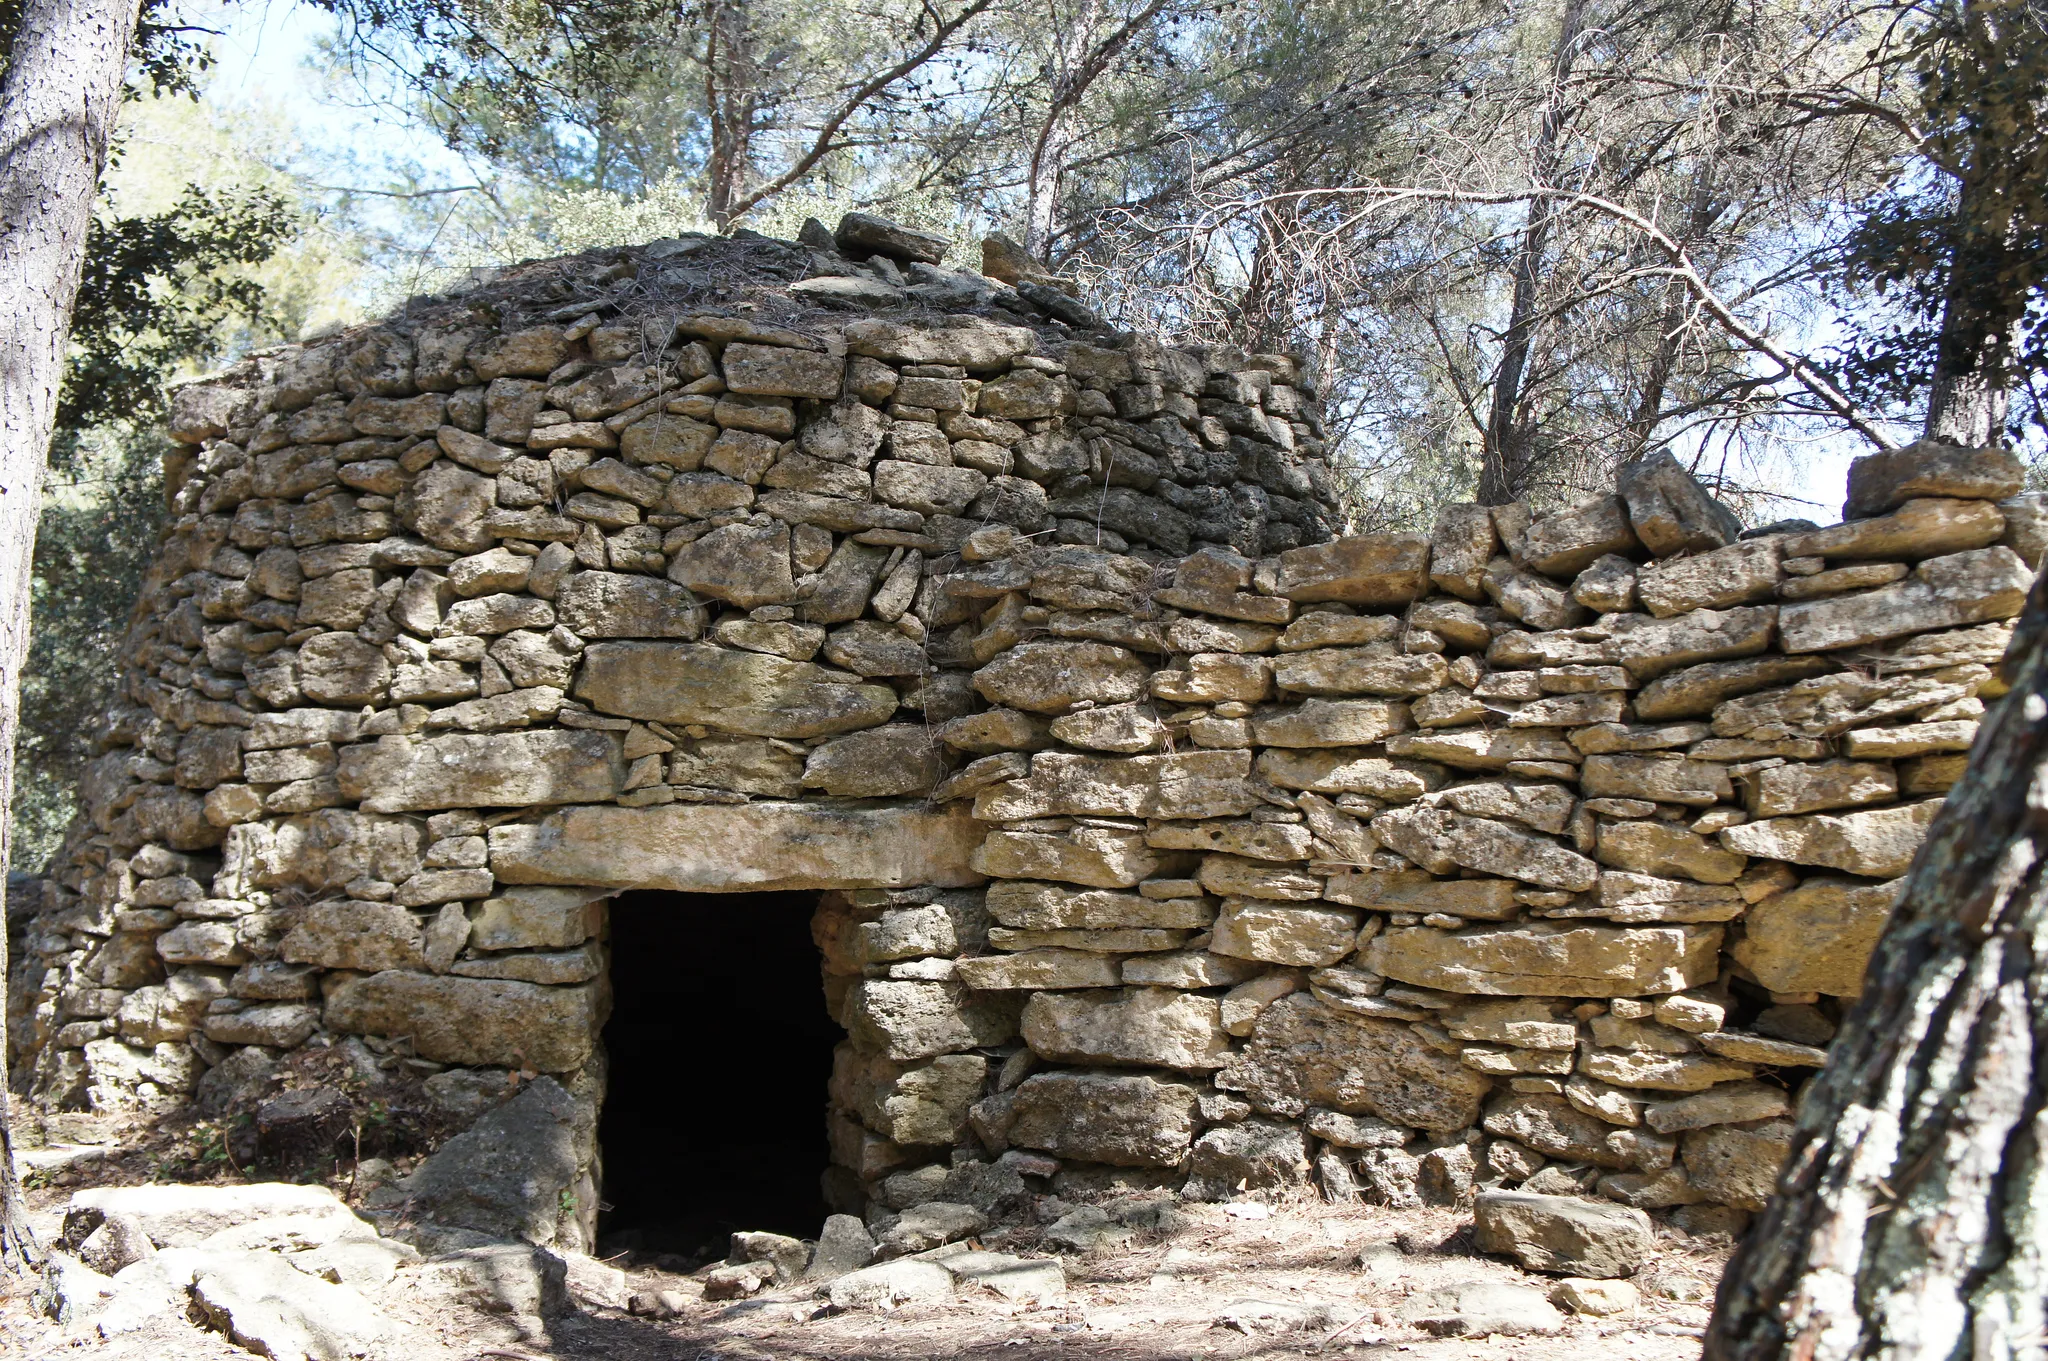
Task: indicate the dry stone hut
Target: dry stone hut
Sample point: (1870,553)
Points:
(537,692)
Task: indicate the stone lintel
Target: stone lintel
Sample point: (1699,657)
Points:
(728,848)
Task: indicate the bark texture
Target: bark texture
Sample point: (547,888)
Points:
(1911,1221)
(1506,470)
(57,105)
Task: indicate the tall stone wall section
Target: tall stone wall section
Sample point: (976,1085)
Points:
(1161,838)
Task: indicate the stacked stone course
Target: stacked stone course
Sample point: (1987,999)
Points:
(1163,840)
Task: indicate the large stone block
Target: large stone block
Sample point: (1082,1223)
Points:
(1055,907)
(625,605)
(1366,569)
(1927,527)
(908,1103)
(1359,671)
(1563,1233)
(1330,723)
(967,341)
(772,370)
(321,850)
(1138,1027)
(1650,647)
(1099,857)
(1740,574)
(905,1019)
(1460,546)
(1482,748)
(1818,936)
(1133,1121)
(354,935)
(1880,481)
(1440,841)
(1670,510)
(1557,1128)
(1735,1165)
(1961,588)
(1052,677)
(1550,959)
(1656,847)
(713,848)
(509,1175)
(473,1020)
(1879,843)
(1196,784)
(1284,933)
(1565,544)
(1349,770)
(1660,778)
(744,692)
(1695,690)
(1304,1054)
(494,770)
(1030,970)
(1811,786)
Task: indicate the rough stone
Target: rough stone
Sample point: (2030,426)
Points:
(1196,784)
(1053,677)
(517,769)
(1923,528)
(1880,481)
(506,1174)
(1253,1156)
(1735,1165)
(623,605)
(1730,1103)
(1099,857)
(1553,959)
(740,847)
(1125,1121)
(1482,1309)
(1961,588)
(1566,544)
(908,1019)
(1670,510)
(1366,569)
(1878,843)
(1302,1054)
(1739,574)
(1807,787)
(1284,933)
(1143,1027)
(746,692)
(1563,1234)
(1816,937)
(472,1020)
(1439,840)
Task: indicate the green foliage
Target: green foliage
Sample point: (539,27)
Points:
(1958,247)
(101,514)
(154,293)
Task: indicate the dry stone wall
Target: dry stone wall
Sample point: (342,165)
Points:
(1162,838)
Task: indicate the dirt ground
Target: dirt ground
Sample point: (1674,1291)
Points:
(1305,1279)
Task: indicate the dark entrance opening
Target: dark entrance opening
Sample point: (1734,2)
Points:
(719,1050)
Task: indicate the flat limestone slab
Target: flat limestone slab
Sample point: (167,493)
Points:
(724,848)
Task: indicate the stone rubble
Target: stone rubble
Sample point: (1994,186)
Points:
(1155,827)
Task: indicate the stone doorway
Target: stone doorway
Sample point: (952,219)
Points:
(719,1052)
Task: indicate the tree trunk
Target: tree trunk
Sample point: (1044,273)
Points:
(1966,397)
(57,105)
(1504,473)
(1643,422)
(731,94)
(1055,138)
(1911,1220)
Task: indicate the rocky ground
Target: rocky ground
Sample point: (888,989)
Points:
(1189,1281)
